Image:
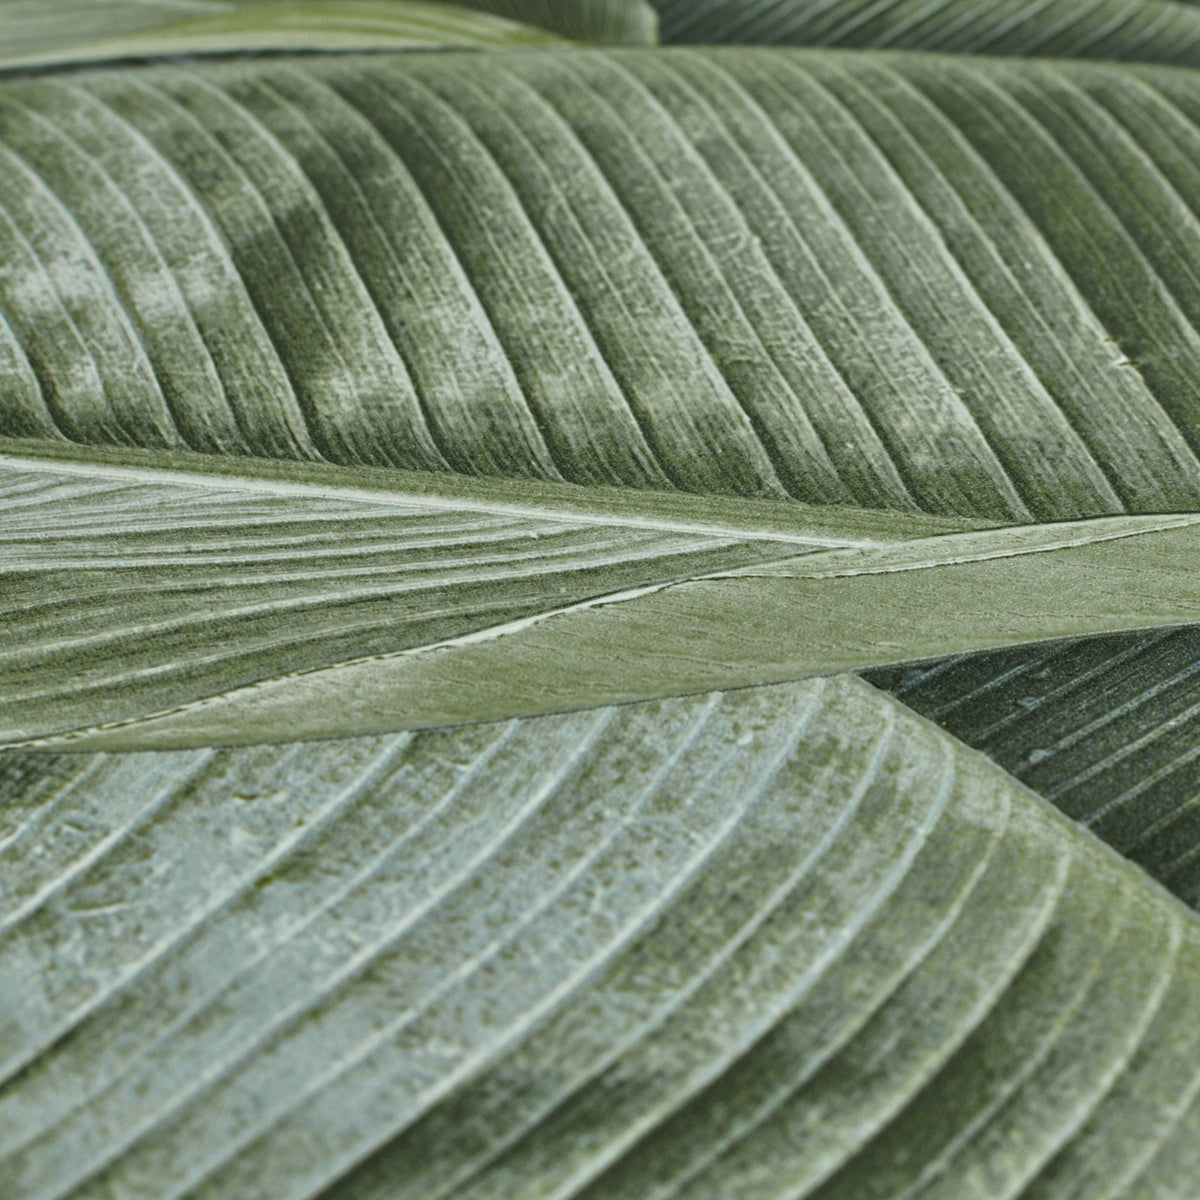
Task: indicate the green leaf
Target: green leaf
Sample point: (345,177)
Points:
(734,945)
(1164,31)
(1105,727)
(56,37)
(522,265)
(247,611)
(50,33)
(346,394)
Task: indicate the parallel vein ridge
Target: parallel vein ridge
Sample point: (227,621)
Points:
(894,281)
(1164,31)
(637,951)
(1105,727)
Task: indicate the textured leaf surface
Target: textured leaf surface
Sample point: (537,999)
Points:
(1108,728)
(237,614)
(261,25)
(57,31)
(417,314)
(733,945)
(1147,30)
(938,292)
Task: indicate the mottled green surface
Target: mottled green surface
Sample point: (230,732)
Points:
(1165,31)
(892,281)
(55,32)
(348,394)
(736,945)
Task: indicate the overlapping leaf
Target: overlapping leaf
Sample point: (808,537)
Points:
(741,944)
(1166,31)
(384,337)
(37,32)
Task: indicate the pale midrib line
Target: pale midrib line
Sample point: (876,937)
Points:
(214,532)
(320,602)
(1100,1090)
(119,559)
(219,1071)
(876,562)
(947,129)
(751,170)
(323,524)
(100,849)
(416,500)
(92,258)
(576,554)
(488,634)
(354,882)
(180,309)
(310,832)
(35,492)
(1083,986)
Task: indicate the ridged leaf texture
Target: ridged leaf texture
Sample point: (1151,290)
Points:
(739,944)
(37,32)
(1164,31)
(445,499)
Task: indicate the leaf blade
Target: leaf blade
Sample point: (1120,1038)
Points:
(879,800)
